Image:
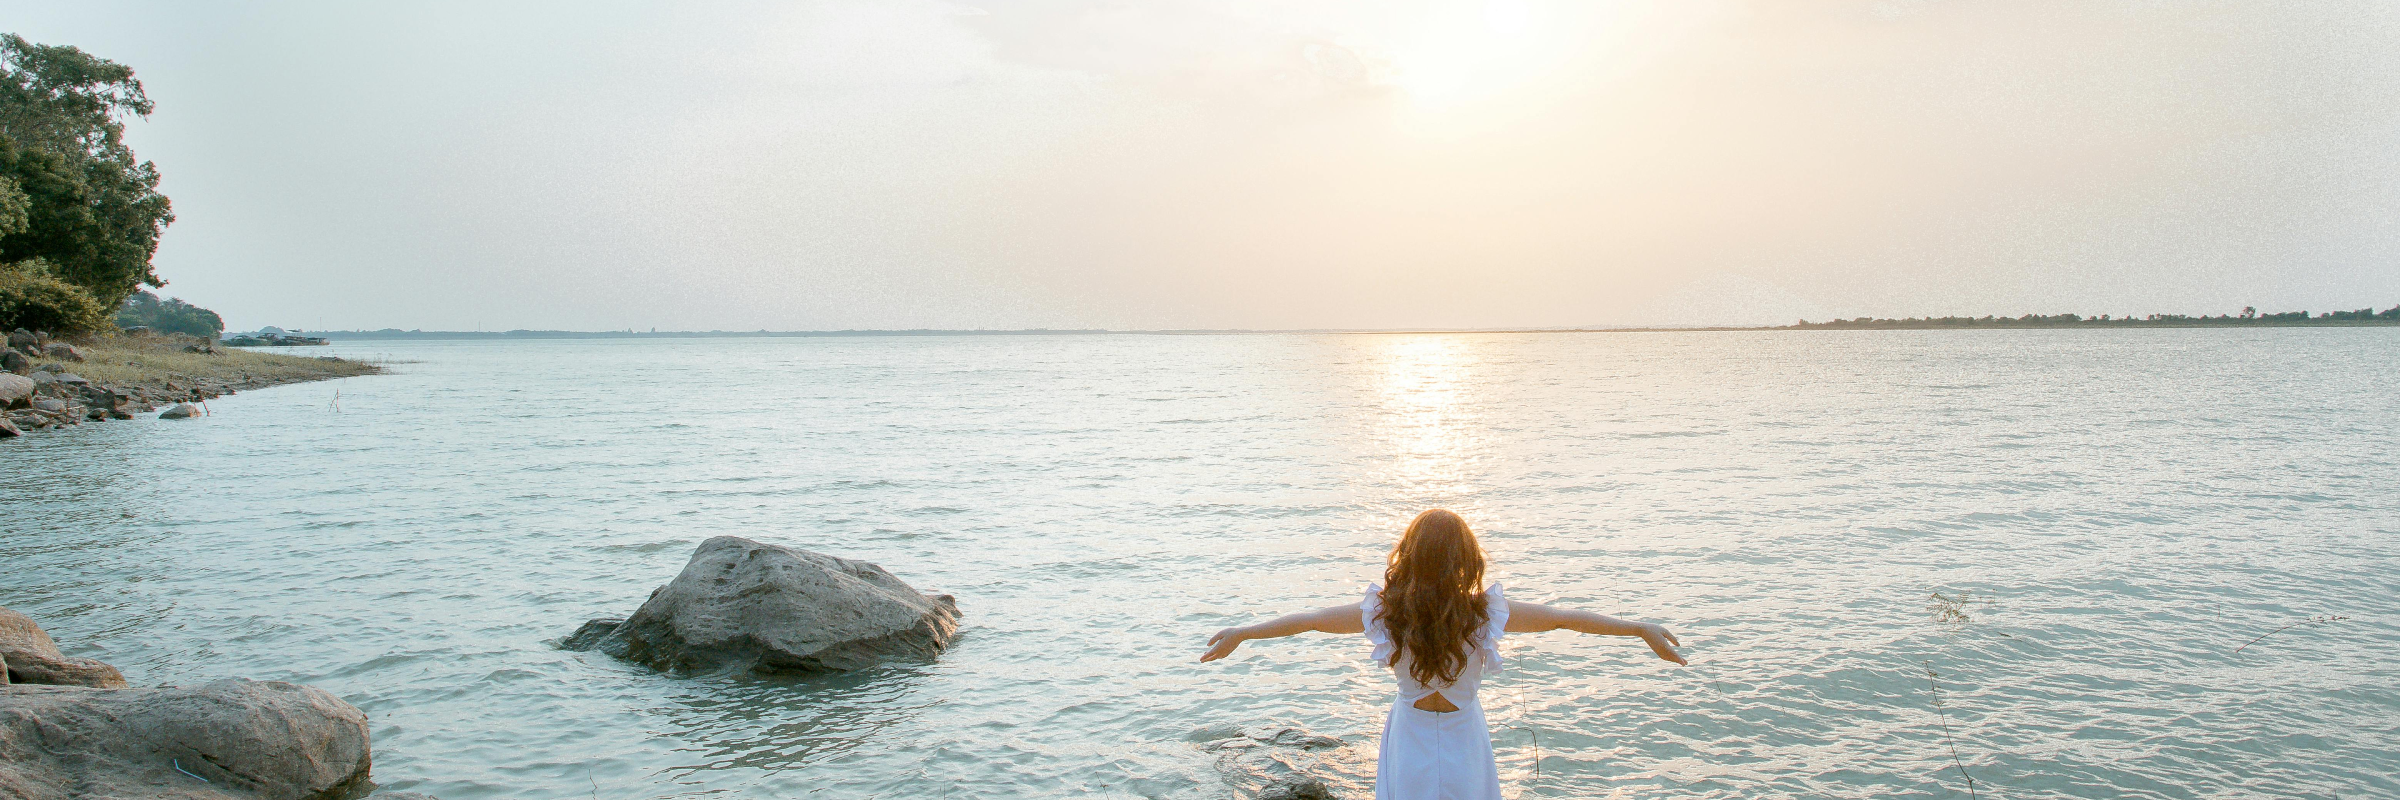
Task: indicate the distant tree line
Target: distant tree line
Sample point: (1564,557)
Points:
(80,215)
(145,310)
(2248,317)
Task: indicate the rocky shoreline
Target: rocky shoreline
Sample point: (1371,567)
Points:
(41,388)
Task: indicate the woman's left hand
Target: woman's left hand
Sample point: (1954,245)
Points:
(1222,644)
(1663,643)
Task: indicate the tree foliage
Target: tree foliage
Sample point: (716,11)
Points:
(71,193)
(173,315)
(31,297)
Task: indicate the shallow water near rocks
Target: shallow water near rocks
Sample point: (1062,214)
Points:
(2107,515)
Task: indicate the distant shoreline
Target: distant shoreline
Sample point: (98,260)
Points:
(1936,323)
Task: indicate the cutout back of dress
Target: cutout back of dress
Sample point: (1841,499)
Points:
(1483,655)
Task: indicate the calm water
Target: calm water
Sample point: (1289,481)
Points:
(2120,510)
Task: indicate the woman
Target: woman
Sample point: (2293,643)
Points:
(1440,635)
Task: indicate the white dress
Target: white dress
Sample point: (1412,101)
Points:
(1438,755)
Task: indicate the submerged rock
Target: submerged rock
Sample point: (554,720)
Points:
(1276,763)
(180,411)
(227,739)
(741,604)
(33,658)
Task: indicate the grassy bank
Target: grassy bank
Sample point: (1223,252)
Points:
(130,361)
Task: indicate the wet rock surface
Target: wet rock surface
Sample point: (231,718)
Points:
(1280,763)
(740,604)
(226,739)
(32,658)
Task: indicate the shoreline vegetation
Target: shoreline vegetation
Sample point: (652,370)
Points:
(2249,318)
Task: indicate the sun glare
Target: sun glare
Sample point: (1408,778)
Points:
(1467,52)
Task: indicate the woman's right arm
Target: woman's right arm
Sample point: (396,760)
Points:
(1338,619)
(1535,618)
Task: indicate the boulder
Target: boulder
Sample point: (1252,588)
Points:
(14,362)
(71,379)
(180,411)
(8,430)
(63,351)
(219,741)
(50,405)
(14,389)
(42,378)
(33,658)
(740,604)
(22,339)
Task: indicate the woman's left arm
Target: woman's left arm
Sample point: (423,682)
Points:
(1338,619)
(1535,618)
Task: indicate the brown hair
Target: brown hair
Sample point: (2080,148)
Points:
(1432,600)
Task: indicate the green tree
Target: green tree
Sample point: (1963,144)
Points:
(92,210)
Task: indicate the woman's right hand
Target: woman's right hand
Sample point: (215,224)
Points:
(1222,644)
(1662,642)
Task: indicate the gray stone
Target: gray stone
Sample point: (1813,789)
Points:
(14,389)
(34,658)
(42,378)
(71,379)
(8,430)
(14,362)
(50,405)
(63,351)
(226,740)
(740,604)
(22,339)
(180,411)
(1278,763)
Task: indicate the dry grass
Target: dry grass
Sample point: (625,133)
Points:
(150,360)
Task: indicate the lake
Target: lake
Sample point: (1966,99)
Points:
(2106,516)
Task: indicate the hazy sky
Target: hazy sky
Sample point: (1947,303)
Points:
(1279,164)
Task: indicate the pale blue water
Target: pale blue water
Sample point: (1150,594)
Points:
(2123,509)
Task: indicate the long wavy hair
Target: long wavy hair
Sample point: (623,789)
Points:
(1432,599)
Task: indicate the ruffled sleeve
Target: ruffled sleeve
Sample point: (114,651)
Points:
(1495,606)
(1377,634)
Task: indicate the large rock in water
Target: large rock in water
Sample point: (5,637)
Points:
(33,658)
(220,741)
(742,604)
